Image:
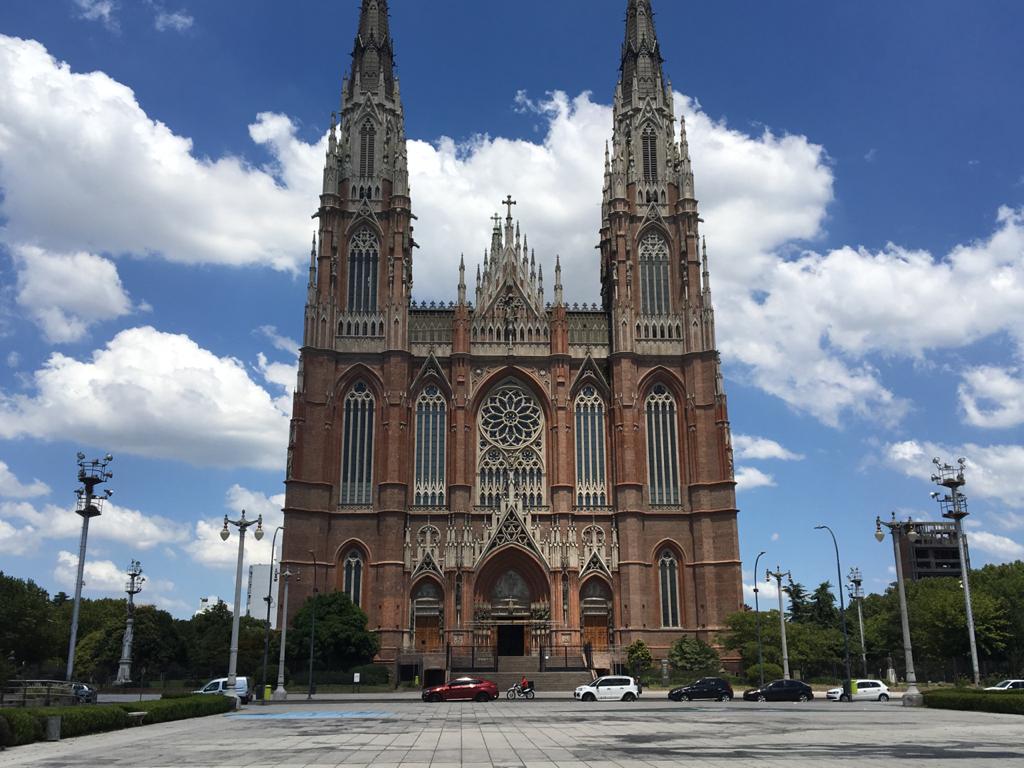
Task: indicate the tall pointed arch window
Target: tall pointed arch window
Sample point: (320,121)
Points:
(363,260)
(662,447)
(654,286)
(649,146)
(431,426)
(353,581)
(668,568)
(367,146)
(510,448)
(591,485)
(357,447)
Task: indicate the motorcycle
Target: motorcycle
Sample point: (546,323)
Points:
(519,692)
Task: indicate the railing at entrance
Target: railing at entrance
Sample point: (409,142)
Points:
(473,658)
(566,658)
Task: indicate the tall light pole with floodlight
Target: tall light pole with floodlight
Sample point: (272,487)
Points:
(857,595)
(132,588)
(913,697)
(91,472)
(280,694)
(241,524)
(954,507)
(777,574)
(842,612)
(757,621)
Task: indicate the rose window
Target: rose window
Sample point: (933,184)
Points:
(510,417)
(510,450)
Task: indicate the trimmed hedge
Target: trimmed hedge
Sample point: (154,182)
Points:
(23,726)
(165,710)
(1001,702)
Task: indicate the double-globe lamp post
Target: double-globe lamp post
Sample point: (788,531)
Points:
(280,694)
(912,697)
(777,574)
(757,621)
(847,686)
(241,524)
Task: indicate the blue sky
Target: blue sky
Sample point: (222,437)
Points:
(860,173)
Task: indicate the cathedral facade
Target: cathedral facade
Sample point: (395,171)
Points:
(508,474)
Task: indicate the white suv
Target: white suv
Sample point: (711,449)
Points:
(609,688)
(867,690)
(1006,685)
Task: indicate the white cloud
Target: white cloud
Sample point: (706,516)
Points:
(116,523)
(766,591)
(156,195)
(178,21)
(280,342)
(13,359)
(993,471)
(992,396)
(1000,547)
(206,546)
(100,575)
(102,11)
(775,537)
(154,394)
(12,488)
(65,293)
(748,478)
(753,447)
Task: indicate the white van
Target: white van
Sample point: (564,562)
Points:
(220,686)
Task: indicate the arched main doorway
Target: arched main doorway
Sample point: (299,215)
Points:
(427,615)
(512,609)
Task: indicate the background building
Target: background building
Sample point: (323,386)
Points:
(935,553)
(508,473)
(256,594)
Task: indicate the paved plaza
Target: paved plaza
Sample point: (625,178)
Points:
(549,733)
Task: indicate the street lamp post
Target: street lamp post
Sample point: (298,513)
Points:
(280,694)
(269,599)
(842,611)
(857,594)
(777,574)
(757,621)
(132,588)
(913,697)
(954,507)
(312,631)
(241,524)
(91,473)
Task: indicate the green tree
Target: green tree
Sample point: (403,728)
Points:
(692,656)
(822,610)
(638,657)
(1005,583)
(207,638)
(28,631)
(799,602)
(342,638)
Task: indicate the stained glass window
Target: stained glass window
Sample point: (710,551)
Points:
(654,285)
(431,424)
(590,449)
(357,447)
(511,447)
(363,258)
(669,568)
(662,447)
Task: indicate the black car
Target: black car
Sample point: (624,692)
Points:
(705,688)
(781,690)
(84,694)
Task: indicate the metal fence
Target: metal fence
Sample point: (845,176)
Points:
(37,693)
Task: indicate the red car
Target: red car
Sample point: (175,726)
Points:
(462,689)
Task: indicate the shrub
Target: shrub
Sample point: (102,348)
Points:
(693,657)
(165,710)
(174,695)
(771,672)
(23,727)
(83,719)
(372,674)
(638,657)
(1002,702)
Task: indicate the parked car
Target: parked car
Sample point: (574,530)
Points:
(609,688)
(462,689)
(867,690)
(84,694)
(705,688)
(780,690)
(1007,685)
(220,686)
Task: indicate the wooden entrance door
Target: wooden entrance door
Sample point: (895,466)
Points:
(595,631)
(428,633)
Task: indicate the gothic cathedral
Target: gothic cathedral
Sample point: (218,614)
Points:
(509,475)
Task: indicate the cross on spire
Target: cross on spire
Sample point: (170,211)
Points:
(497,220)
(508,201)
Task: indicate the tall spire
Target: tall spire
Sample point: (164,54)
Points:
(373,57)
(641,56)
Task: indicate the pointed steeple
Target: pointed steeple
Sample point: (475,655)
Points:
(641,56)
(373,58)
(462,279)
